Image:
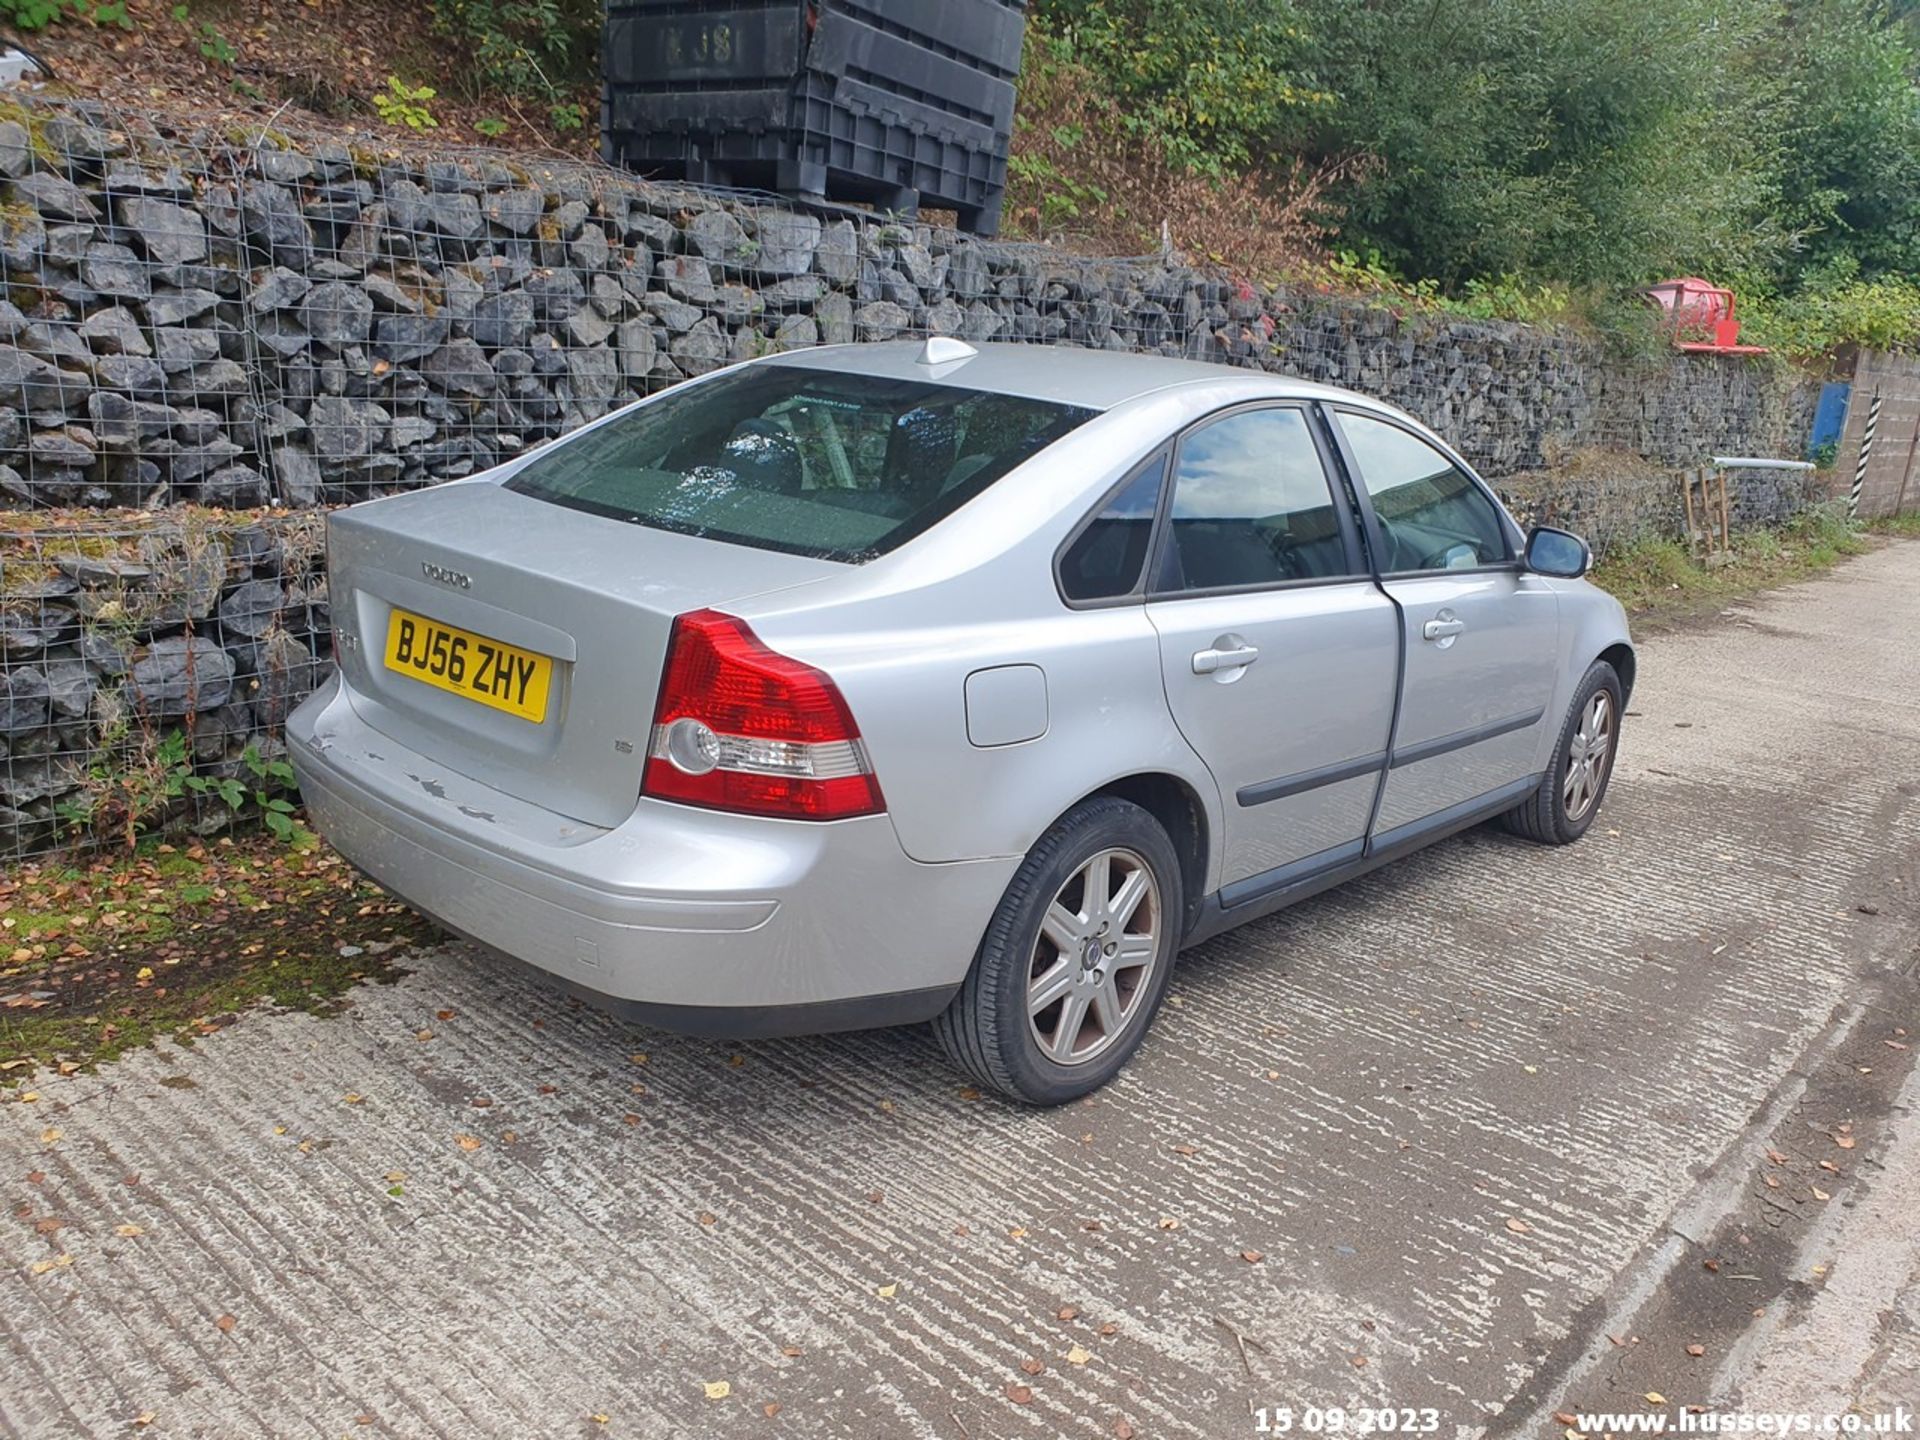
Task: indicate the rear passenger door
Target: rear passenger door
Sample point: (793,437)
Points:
(1279,653)
(1481,634)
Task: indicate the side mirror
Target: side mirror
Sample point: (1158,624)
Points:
(1558,553)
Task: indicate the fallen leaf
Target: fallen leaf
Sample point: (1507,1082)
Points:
(443,1014)
(128,1232)
(469,1142)
(1710,1265)
(1771,1183)
(1122,1430)
(1654,1397)
(707,1217)
(792,1352)
(144,1419)
(58,1262)
(1018,1232)
(963,1230)
(1518,1226)
(887,1292)
(1830,1167)
(1186,1150)
(1561,1417)
(1019,1394)
(1069,1312)
(1359,1362)
(1696,1351)
(770,1409)
(34,1177)
(1252,1257)
(224,1324)
(1845,1142)
(145,972)
(1079,1355)
(717,1389)
(1109,1328)
(599,1418)
(1775,1156)
(50,1136)
(1032,1367)
(1167,1222)
(352,1097)
(1818,1193)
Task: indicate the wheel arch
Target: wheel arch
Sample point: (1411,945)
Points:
(1181,813)
(1621,657)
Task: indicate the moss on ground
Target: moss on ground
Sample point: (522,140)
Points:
(108,952)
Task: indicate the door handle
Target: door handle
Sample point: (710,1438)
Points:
(1442,629)
(1229,652)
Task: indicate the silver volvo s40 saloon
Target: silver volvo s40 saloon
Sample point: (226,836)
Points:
(878,684)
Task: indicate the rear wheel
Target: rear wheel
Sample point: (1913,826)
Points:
(1075,960)
(1569,797)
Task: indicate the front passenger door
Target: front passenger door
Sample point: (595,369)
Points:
(1279,653)
(1481,634)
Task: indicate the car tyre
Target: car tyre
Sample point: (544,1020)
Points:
(1569,797)
(1063,987)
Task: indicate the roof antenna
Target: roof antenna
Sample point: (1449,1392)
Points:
(944,350)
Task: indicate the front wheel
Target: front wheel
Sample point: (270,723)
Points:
(1569,797)
(1075,960)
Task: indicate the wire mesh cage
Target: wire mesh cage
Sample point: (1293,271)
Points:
(211,332)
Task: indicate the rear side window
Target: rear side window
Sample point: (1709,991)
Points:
(785,457)
(1251,505)
(1106,558)
(1432,516)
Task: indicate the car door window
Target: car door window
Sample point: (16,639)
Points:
(1105,559)
(1432,515)
(1251,506)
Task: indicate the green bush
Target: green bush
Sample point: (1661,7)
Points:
(541,48)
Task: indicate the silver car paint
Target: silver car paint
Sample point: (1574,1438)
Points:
(845,914)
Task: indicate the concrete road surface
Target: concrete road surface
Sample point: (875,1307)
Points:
(1426,1142)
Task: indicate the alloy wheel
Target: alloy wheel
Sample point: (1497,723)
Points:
(1588,755)
(1092,963)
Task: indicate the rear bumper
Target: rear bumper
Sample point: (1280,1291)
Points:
(691,919)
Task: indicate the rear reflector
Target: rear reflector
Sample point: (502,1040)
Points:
(741,727)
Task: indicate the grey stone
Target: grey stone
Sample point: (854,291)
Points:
(281,333)
(80,140)
(688,278)
(588,327)
(676,315)
(23,700)
(882,320)
(459,367)
(115,331)
(594,378)
(33,384)
(170,234)
(182,349)
(279,289)
(60,449)
(190,462)
(346,430)
(234,487)
(787,243)
(283,167)
(637,350)
(556,294)
(113,419)
(700,349)
(386,294)
(16,149)
(796,292)
(176,307)
(338,313)
(286,673)
(216,378)
(253,608)
(296,475)
(270,217)
(502,320)
(590,251)
(456,215)
(133,373)
(179,676)
(194,426)
(411,430)
(516,211)
(53,197)
(399,339)
(716,235)
(115,270)
(835,314)
(70,688)
(837,256)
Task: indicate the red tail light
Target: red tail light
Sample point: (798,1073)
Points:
(739,727)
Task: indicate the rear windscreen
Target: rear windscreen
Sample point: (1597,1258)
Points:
(784,457)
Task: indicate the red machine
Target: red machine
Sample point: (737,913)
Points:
(1700,316)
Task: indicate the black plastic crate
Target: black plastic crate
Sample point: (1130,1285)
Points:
(893,102)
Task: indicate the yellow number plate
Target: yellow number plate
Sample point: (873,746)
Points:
(503,676)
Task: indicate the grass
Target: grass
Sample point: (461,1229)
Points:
(107,952)
(1660,580)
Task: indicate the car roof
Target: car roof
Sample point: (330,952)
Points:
(1067,374)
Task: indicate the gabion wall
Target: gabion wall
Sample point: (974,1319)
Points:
(197,324)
